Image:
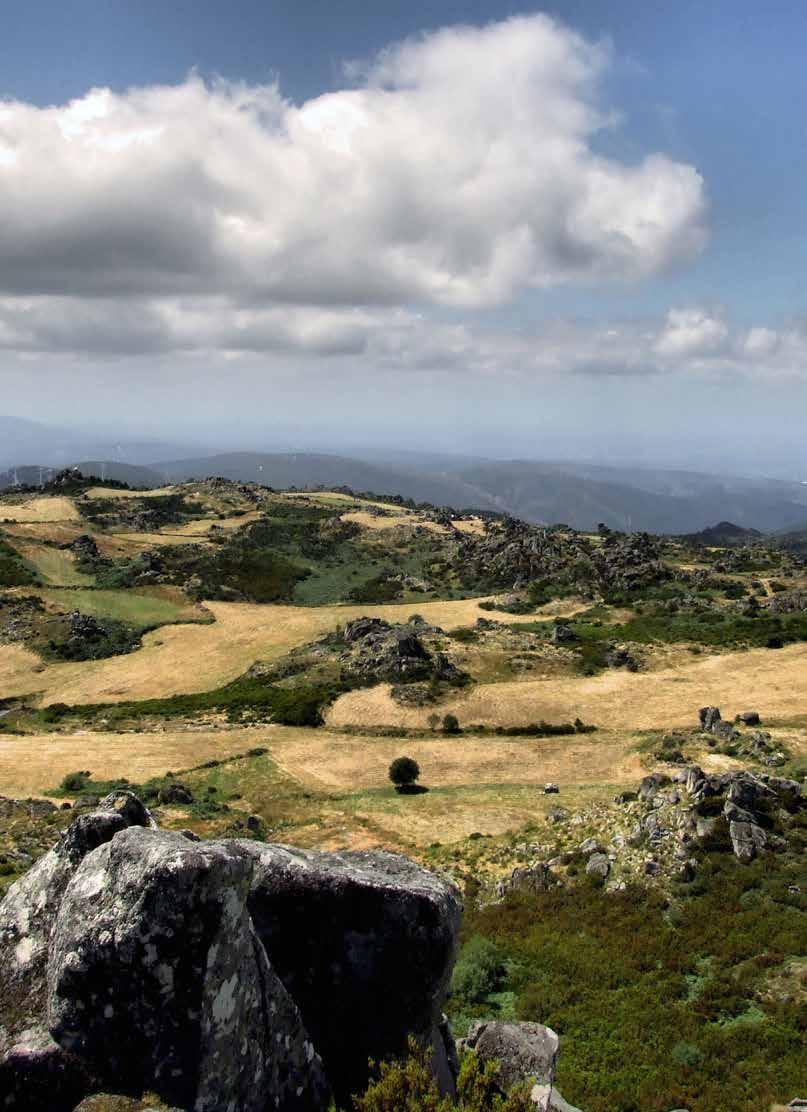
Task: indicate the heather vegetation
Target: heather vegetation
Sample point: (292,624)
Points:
(691,999)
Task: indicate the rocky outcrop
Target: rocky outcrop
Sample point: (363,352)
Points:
(365,943)
(513,554)
(531,878)
(379,651)
(156,980)
(757,745)
(215,974)
(31,1062)
(733,810)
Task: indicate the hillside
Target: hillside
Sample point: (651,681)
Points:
(251,663)
(579,494)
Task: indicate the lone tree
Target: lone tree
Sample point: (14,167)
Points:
(404,772)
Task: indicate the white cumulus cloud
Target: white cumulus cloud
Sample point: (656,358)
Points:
(460,169)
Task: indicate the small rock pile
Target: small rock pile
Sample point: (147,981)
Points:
(21,617)
(758,745)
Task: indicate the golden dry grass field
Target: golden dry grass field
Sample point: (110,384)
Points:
(772,682)
(408,517)
(39,509)
(114,492)
(191,658)
(35,763)
(475,784)
(343,795)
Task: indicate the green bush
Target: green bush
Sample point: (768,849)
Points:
(379,589)
(250,698)
(404,772)
(479,971)
(613,974)
(13,570)
(75,781)
(409,1086)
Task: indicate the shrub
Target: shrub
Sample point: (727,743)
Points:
(409,1086)
(55,712)
(404,772)
(13,571)
(479,970)
(451,724)
(75,781)
(685,1054)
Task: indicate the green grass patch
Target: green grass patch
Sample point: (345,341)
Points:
(14,572)
(57,568)
(140,609)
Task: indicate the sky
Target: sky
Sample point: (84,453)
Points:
(569,230)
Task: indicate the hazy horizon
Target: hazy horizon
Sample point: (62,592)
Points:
(135,446)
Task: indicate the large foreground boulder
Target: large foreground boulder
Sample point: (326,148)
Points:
(157,981)
(131,964)
(365,943)
(35,1072)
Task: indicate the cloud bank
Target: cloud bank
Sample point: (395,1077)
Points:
(455,170)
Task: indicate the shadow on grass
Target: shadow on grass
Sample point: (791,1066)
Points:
(411,789)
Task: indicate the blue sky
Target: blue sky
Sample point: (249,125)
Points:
(716,89)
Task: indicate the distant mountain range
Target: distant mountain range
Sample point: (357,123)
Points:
(579,494)
(33,444)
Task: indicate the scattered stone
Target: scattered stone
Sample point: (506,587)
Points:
(557,814)
(725,732)
(709,717)
(525,1051)
(598,865)
(749,718)
(651,784)
(747,840)
(531,878)
(551,789)
(175,793)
